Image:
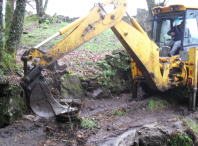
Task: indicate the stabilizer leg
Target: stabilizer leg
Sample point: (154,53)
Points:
(134,90)
(192,99)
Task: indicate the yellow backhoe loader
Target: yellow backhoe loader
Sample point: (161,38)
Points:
(150,62)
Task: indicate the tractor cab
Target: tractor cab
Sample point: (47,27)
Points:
(170,18)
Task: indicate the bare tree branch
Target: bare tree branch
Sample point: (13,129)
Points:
(45,6)
(28,2)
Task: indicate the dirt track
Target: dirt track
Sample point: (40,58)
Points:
(112,117)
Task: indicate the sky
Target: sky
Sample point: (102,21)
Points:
(78,8)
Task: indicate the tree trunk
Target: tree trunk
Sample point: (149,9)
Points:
(16,28)
(9,11)
(151,5)
(41,8)
(45,6)
(37,6)
(1,28)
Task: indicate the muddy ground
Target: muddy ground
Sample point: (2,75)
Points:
(112,118)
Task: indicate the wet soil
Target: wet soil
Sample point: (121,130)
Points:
(112,117)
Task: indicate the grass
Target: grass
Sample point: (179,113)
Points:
(39,34)
(157,104)
(104,42)
(120,112)
(123,113)
(29,20)
(151,104)
(86,123)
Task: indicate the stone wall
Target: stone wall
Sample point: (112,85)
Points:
(11,104)
(115,79)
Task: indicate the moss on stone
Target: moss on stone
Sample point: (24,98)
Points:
(11,105)
(71,86)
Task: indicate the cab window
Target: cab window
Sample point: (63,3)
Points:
(166,26)
(191,28)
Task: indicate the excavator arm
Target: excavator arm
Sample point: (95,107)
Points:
(38,96)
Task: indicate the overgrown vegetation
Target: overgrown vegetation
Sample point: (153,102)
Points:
(181,139)
(120,112)
(9,63)
(11,104)
(86,123)
(157,104)
(192,125)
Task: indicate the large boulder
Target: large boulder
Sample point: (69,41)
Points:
(71,87)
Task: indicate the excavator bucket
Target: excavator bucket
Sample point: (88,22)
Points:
(43,103)
(38,96)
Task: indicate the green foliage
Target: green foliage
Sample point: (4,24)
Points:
(79,67)
(86,123)
(118,60)
(49,80)
(182,139)
(109,73)
(192,125)
(120,112)
(127,58)
(126,67)
(9,63)
(151,104)
(157,104)
(10,98)
(106,80)
(63,95)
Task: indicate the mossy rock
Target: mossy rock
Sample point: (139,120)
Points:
(118,83)
(71,87)
(99,93)
(11,105)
